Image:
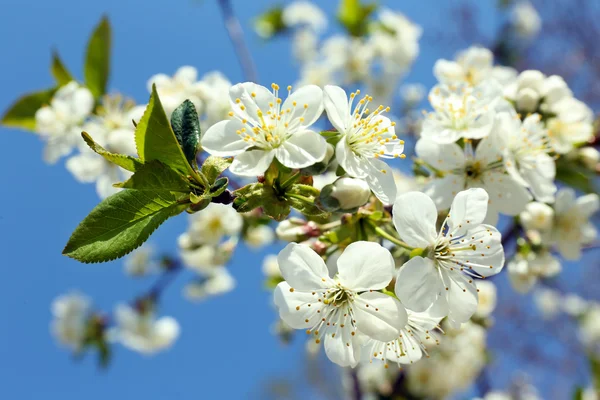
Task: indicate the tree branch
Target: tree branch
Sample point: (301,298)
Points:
(234,29)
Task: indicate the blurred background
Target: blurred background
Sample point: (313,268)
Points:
(227,348)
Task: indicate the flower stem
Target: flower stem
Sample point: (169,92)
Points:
(289,181)
(391,238)
(300,197)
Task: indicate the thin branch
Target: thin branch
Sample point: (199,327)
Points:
(234,29)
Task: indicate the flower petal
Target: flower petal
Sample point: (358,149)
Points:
(442,191)
(337,107)
(222,140)
(461,296)
(302,149)
(485,254)
(445,157)
(355,166)
(342,348)
(379,316)
(252,97)
(468,210)
(381,181)
(293,306)
(302,268)
(309,104)
(415,217)
(418,284)
(365,266)
(252,163)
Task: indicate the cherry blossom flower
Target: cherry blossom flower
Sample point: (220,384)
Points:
(304,14)
(461,111)
(141,331)
(173,91)
(71,313)
(526,20)
(455,169)
(262,128)
(59,123)
(463,249)
(367,137)
(336,308)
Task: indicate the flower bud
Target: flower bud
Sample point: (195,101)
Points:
(531,79)
(350,192)
(537,216)
(590,157)
(296,230)
(527,100)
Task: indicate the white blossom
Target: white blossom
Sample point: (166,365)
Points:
(71,313)
(213,89)
(216,283)
(457,169)
(263,129)
(461,111)
(524,270)
(350,58)
(526,20)
(60,123)
(211,225)
(590,157)
(173,91)
(304,14)
(142,332)
(367,137)
(270,266)
(259,236)
(537,216)
(139,262)
(412,93)
(572,227)
(398,42)
(336,308)
(547,301)
(464,249)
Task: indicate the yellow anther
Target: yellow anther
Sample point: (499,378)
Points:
(242,107)
(230,113)
(253,94)
(402,155)
(305,106)
(289,88)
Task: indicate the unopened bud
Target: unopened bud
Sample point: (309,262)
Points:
(590,157)
(531,79)
(527,100)
(296,230)
(350,192)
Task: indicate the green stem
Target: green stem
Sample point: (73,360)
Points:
(391,238)
(300,197)
(288,182)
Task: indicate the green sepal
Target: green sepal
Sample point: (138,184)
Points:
(326,200)
(96,69)
(219,186)
(186,126)
(59,71)
(124,161)
(214,166)
(121,223)
(21,113)
(304,199)
(155,175)
(257,195)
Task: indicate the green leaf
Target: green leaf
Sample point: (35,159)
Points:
(154,176)
(595,370)
(22,113)
(186,126)
(124,161)
(121,223)
(97,59)
(219,186)
(155,140)
(355,16)
(60,71)
(214,166)
(575,175)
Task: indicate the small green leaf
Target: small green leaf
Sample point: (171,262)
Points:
(22,113)
(355,16)
(219,186)
(575,175)
(154,176)
(124,161)
(270,23)
(186,126)
(121,223)
(155,140)
(96,70)
(214,166)
(59,70)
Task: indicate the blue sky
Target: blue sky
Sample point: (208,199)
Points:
(226,345)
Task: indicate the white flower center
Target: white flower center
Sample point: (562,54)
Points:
(456,111)
(273,126)
(366,135)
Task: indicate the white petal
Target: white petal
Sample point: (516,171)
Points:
(336,105)
(222,140)
(505,194)
(418,284)
(293,306)
(381,181)
(342,348)
(86,167)
(461,296)
(244,92)
(468,210)
(435,131)
(252,162)
(365,266)
(302,149)
(588,204)
(355,166)
(443,190)
(302,268)
(379,316)
(309,104)
(444,157)
(415,217)
(487,255)
(482,127)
